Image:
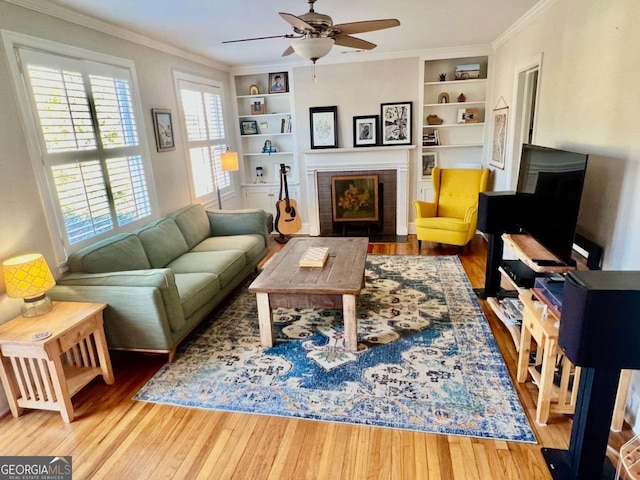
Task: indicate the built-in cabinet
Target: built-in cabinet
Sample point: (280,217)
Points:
(452,116)
(266,130)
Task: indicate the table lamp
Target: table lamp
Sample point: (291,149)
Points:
(228,163)
(28,277)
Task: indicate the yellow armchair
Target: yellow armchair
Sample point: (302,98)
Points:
(452,217)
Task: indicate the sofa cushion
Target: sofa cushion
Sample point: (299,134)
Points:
(194,224)
(162,241)
(252,245)
(443,223)
(195,290)
(120,252)
(226,265)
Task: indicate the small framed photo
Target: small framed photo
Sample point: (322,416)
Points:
(163,128)
(396,123)
(248,127)
(429,161)
(468,115)
(278,82)
(365,130)
(257,107)
(324,127)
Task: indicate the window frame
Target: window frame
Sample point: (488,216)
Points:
(48,196)
(210,199)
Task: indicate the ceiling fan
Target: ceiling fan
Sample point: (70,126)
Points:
(315,34)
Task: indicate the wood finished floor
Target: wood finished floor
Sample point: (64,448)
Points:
(115,437)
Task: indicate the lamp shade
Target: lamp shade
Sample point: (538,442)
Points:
(27,276)
(229,161)
(313,48)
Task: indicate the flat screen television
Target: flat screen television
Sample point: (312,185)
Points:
(551,181)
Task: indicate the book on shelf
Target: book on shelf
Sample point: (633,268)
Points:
(285,124)
(431,139)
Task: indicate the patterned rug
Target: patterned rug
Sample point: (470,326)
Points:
(426,359)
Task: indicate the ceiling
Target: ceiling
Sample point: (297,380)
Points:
(200,26)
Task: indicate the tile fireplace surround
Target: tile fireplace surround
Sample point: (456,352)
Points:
(355,160)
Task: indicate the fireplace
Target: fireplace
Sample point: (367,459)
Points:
(391,164)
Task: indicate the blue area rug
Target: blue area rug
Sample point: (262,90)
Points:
(426,359)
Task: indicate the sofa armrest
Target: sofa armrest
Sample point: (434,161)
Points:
(240,222)
(157,277)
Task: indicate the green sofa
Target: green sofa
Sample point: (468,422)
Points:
(160,281)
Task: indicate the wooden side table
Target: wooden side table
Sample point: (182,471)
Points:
(45,373)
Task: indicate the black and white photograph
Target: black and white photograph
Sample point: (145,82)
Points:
(396,123)
(365,130)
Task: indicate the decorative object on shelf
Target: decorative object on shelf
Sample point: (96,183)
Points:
(429,161)
(443,97)
(468,115)
(229,162)
(264,127)
(500,123)
(254,90)
(259,176)
(324,127)
(434,120)
(163,129)
(355,198)
(443,77)
(431,139)
(462,98)
(278,82)
(365,130)
(28,277)
(396,123)
(248,127)
(468,72)
(257,106)
(269,147)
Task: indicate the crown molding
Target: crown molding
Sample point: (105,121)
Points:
(523,21)
(53,10)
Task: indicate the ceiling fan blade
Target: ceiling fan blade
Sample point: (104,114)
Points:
(365,26)
(288,51)
(297,22)
(353,42)
(288,35)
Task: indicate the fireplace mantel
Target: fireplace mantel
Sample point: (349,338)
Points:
(354,159)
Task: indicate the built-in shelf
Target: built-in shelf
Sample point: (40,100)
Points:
(465,145)
(453,104)
(458,82)
(455,125)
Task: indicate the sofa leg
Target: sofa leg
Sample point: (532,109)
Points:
(461,250)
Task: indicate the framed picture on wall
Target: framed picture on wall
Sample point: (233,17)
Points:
(163,129)
(500,118)
(278,82)
(324,127)
(365,131)
(429,161)
(396,123)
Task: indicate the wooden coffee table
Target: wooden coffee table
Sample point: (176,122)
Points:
(283,283)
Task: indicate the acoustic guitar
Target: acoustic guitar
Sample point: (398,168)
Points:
(287,219)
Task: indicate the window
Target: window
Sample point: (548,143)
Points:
(89,139)
(202,111)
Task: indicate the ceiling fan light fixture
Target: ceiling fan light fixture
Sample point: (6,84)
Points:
(313,48)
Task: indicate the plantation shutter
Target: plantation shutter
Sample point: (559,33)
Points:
(89,140)
(202,107)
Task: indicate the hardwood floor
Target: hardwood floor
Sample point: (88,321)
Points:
(115,436)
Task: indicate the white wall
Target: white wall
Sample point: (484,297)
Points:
(357,89)
(589,102)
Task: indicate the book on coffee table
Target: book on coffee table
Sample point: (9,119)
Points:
(314,257)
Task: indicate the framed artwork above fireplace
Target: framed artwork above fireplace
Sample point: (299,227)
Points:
(355,198)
